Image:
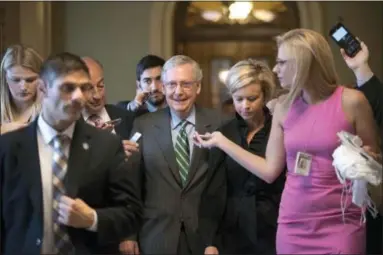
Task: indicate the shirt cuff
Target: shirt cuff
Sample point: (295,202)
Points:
(94,225)
(138,103)
(133,106)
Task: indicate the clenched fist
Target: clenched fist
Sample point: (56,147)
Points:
(75,213)
(129,247)
(211,250)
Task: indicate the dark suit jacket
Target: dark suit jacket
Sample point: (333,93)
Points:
(125,127)
(168,206)
(373,90)
(124,105)
(238,210)
(97,175)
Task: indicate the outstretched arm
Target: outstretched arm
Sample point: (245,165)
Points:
(267,169)
(367,82)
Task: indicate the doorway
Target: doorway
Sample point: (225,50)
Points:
(218,42)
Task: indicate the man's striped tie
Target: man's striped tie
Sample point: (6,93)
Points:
(182,152)
(60,164)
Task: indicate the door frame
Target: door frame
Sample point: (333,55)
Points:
(161,27)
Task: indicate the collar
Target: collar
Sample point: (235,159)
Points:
(176,121)
(152,108)
(101,113)
(48,133)
(243,124)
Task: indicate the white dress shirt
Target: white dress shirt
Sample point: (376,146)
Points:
(45,135)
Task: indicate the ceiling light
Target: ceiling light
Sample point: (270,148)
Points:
(211,15)
(264,15)
(240,10)
(222,75)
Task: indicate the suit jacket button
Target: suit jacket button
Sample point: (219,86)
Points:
(38,241)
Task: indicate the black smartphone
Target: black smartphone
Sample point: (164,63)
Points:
(345,39)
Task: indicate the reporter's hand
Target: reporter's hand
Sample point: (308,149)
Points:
(359,60)
(130,147)
(107,127)
(208,140)
(211,250)
(129,247)
(374,155)
(359,65)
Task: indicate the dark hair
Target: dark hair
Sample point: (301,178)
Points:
(149,61)
(61,64)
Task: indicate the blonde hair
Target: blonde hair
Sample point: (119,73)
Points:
(314,62)
(14,56)
(250,71)
(179,60)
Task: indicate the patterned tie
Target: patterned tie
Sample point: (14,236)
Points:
(182,152)
(60,163)
(96,120)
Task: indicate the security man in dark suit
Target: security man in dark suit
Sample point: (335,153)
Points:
(63,183)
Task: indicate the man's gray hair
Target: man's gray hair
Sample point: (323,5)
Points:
(179,60)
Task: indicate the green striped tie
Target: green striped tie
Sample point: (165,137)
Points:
(182,152)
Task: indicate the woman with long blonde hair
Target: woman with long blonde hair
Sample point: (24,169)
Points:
(304,135)
(19,87)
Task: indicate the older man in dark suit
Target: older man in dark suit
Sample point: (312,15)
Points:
(64,185)
(96,112)
(169,168)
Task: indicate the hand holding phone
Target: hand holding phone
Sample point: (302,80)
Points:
(131,145)
(109,125)
(114,122)
(345,39)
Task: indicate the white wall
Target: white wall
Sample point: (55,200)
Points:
(117,34)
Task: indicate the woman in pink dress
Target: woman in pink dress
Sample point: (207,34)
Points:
(304,136)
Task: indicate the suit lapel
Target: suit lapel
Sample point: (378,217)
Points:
(119,129)
(164,138)
(28,157)
(78,158)
(232,132)
(202,126)
(111,113)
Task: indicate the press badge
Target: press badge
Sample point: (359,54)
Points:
(303,164)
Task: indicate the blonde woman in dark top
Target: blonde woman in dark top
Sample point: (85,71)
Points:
(19,87)
(239,211)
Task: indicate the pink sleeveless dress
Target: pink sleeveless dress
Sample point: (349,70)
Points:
(310,216)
